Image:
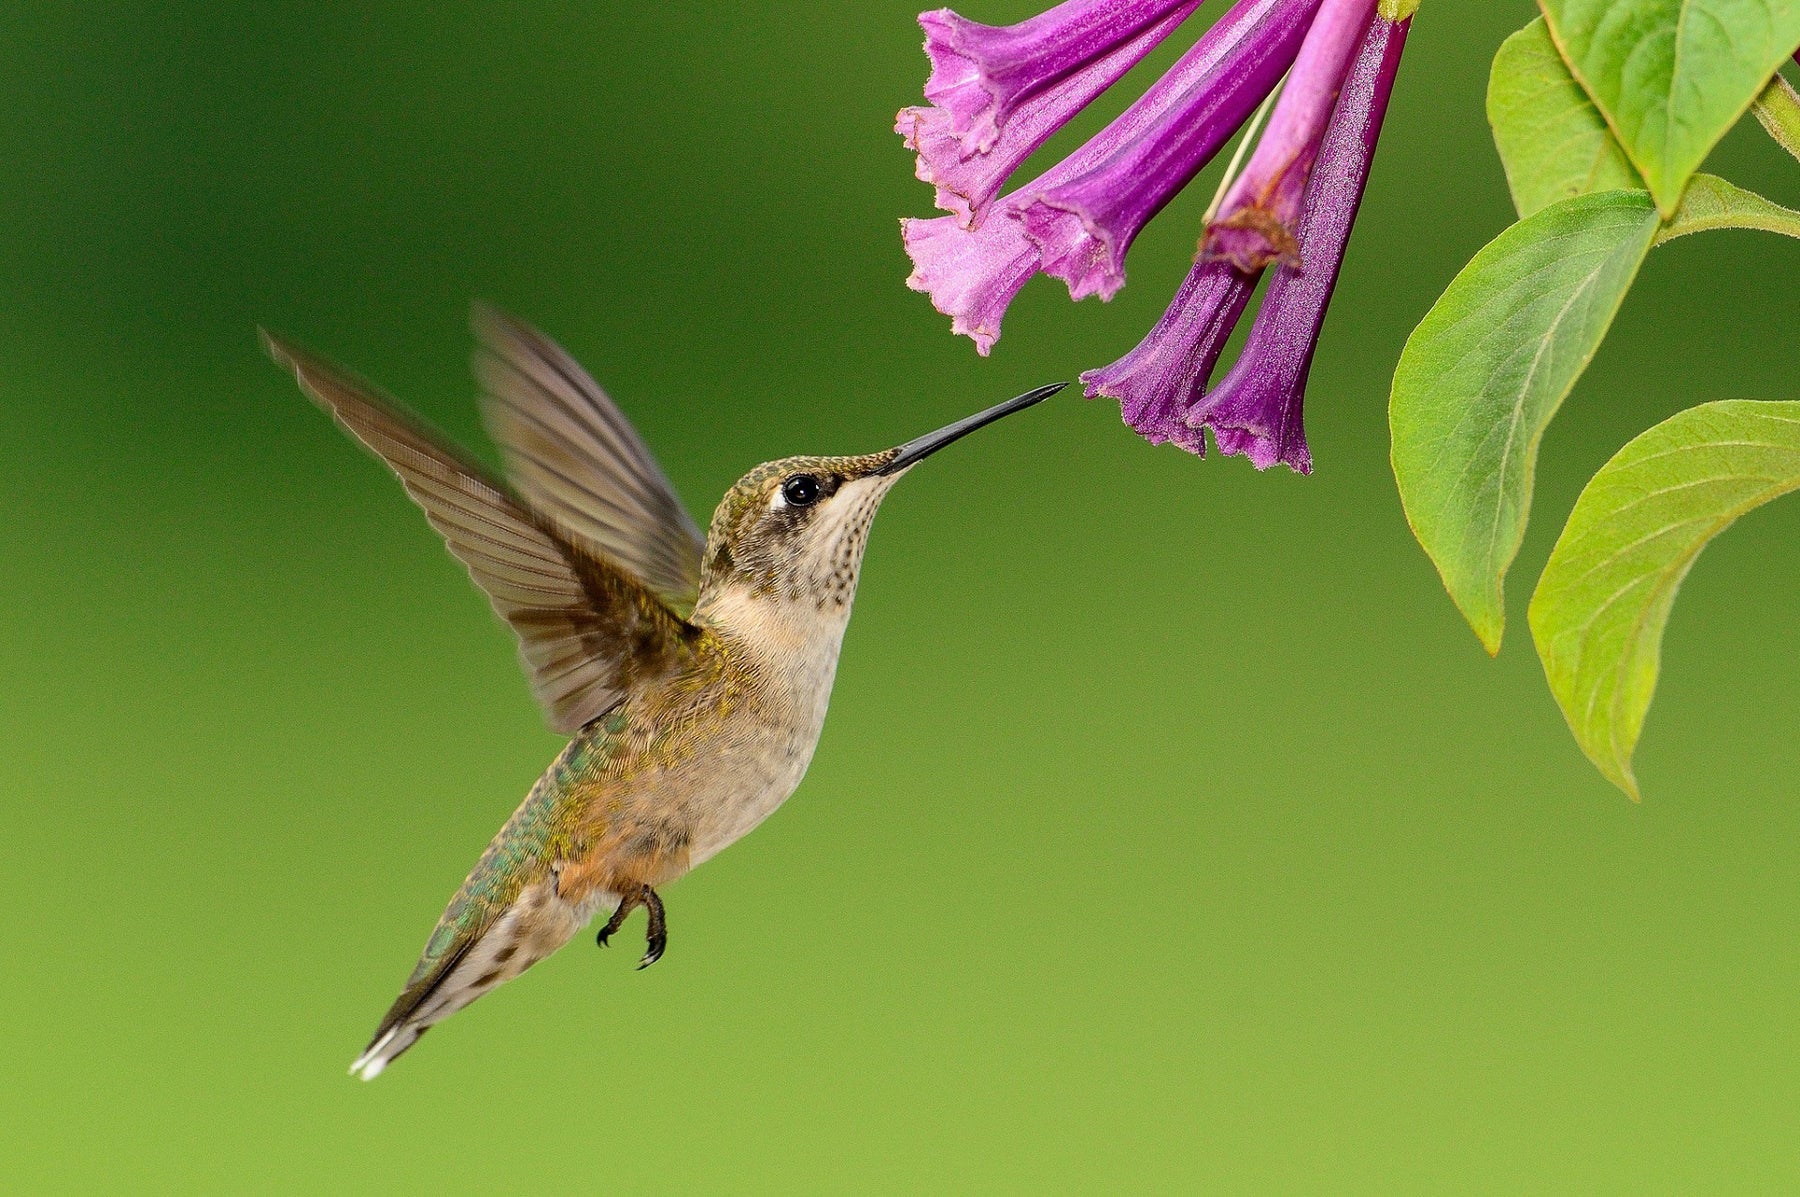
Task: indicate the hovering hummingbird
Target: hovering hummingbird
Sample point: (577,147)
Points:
(693,672)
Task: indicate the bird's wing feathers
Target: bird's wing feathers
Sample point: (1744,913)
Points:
(573,454)
(585,626)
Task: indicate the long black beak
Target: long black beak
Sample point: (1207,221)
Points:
(923,447)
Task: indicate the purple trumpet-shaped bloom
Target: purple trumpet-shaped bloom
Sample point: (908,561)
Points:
(1156,382)
(972,274)
(981,73)
(1255,222)
(967,179)
(1084,226)
(1256,410)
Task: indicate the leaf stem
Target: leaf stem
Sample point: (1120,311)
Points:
(1778,112)
(1712,203)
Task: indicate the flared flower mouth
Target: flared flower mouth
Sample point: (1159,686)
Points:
(1158,381)
(998,93)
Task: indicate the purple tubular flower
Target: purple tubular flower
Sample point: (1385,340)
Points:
(1157,381)
(1084,225)
(1256,217)
(967,179)
(1256,410)
(972,274)
(981,73)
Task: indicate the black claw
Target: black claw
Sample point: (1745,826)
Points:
(657,937)
(617,920)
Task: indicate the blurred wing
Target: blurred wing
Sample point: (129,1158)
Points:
(586,628)
(574,455)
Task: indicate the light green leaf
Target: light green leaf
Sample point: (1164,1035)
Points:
(1712,203)
(1552,140)
(1485,371)
(1600,608)
(1671,76)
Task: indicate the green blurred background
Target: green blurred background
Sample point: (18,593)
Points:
(1170,832)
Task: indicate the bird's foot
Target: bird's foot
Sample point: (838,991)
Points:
(657,938)
(626,906)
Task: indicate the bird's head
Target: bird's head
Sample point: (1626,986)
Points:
(794,530)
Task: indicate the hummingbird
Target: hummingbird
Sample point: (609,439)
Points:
(692,672)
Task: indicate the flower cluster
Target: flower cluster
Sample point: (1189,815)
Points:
(998,93)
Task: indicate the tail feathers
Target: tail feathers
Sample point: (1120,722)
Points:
(469,963)
(431,994)
(387,1047)
(428,1001)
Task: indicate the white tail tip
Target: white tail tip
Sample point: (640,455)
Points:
(370,1064)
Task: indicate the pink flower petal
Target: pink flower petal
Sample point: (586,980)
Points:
(970,276)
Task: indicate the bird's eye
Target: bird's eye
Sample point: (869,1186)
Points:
(802,490)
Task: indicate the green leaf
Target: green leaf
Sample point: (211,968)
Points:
(1671,76)
(1485,371)
(1552,140)
(1712,203)
(1600,608)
